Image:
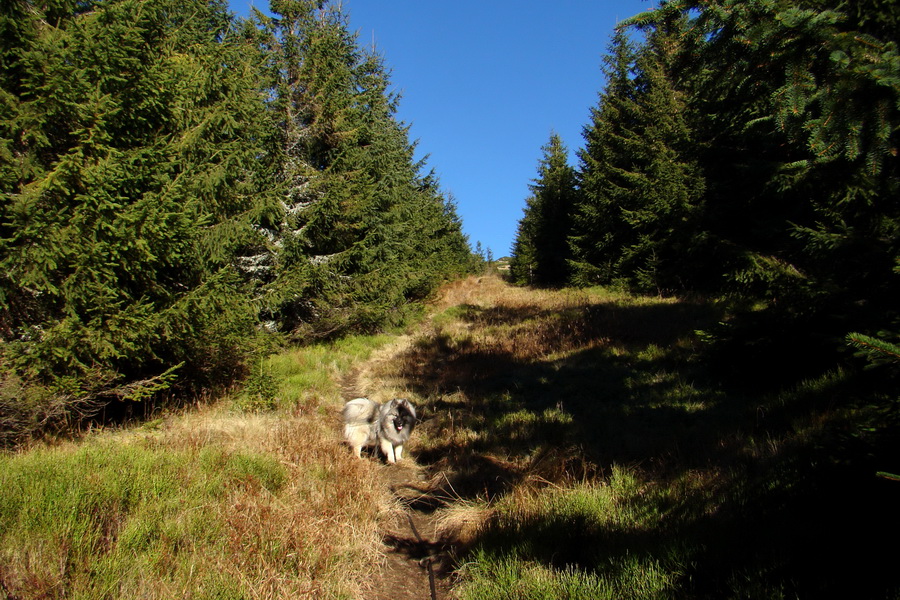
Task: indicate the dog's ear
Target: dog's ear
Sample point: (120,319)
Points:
(406,405)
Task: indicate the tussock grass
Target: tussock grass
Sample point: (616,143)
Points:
(573,444)
(557,544)
(299,379)
(217,502)
(513,578)
(587,450)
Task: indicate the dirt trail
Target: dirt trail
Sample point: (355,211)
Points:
(416,562)
(416,559)
(418,552)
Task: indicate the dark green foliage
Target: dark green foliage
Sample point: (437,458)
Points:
(126,130)
(807,130)
(812,111)
(640,164)
(170,177)
(749,149)
(541,249)
(639,222)
(596,235)
(362,233)
(876,349)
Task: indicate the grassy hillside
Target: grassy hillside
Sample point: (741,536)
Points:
(581,446)
(573,444)
(214,502)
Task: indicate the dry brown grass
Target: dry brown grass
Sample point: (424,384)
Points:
(545,415)
(323,525)
(487,343)
(482,339)
(318,537)
(257,505)
(492,317)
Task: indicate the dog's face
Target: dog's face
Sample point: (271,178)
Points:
(403,414)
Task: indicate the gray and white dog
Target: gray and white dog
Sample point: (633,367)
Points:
(389,425)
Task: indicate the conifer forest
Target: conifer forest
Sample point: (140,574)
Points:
(177,183)
(742,150)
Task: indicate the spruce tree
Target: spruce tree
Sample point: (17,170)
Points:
(541,251)
(170,177)
(806,127)
(796,108)
(127,127)
(522,259)
(639,218)
(597,233)
(663,204)
(348,251)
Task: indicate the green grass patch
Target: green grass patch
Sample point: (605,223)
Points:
(514,578)
(585,541)
(259,502)
(306,374)
(615,458)
(101,519)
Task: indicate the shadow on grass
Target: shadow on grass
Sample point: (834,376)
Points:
(565,394)
(617,382)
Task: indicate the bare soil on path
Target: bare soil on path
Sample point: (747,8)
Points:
(416,558)
(478,333)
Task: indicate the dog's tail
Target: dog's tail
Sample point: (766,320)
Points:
(359,410)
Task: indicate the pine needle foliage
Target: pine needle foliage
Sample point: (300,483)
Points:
(363,232)
(127,128)
(748,150)
(174,181)
(595,237)
(641,181)
(541,248)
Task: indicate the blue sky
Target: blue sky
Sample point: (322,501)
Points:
(484,84)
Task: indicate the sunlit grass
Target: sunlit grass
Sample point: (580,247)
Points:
(304,376)
(563,542)
(512,578)
(572,443)
(104,517)
(591,452)
(211,503)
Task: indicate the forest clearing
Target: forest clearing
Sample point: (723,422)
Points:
(572,444)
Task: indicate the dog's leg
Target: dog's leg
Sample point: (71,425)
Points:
(355,438)
(398,451)
(388,449)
